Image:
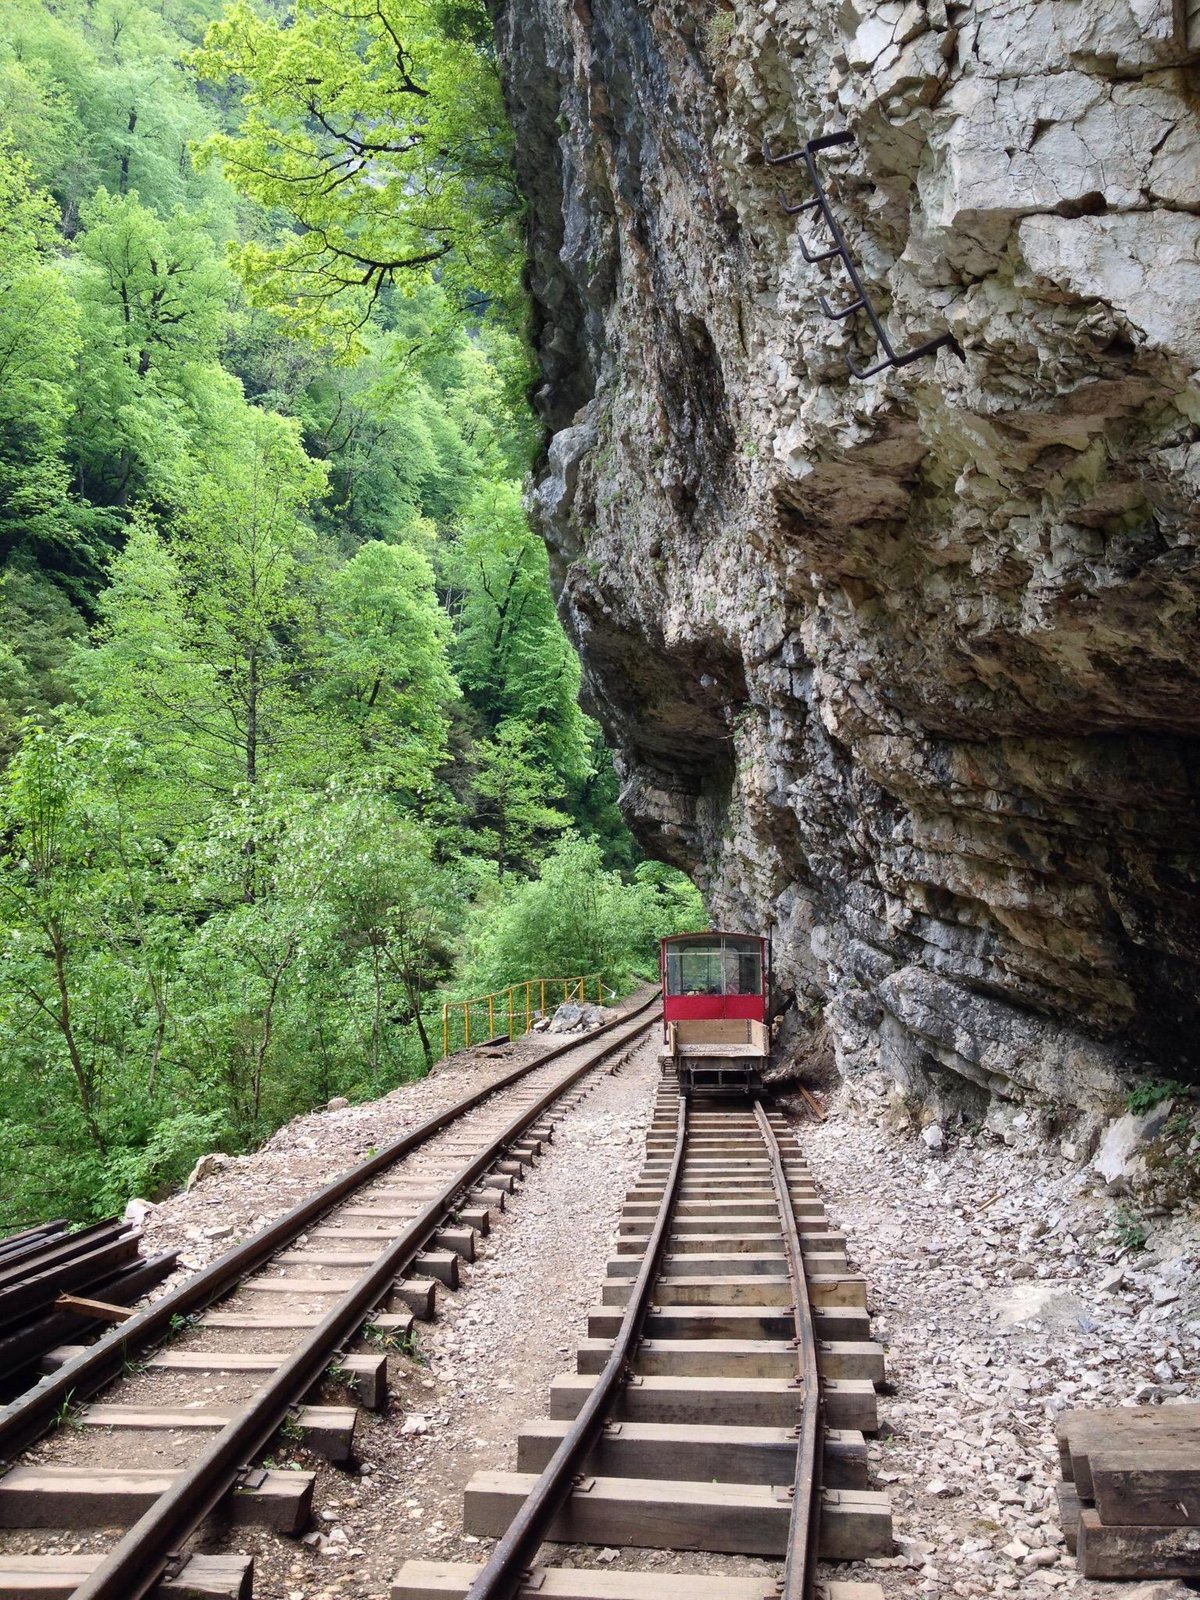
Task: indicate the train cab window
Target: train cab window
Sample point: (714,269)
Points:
(743,968)
(718,966)
(694,971)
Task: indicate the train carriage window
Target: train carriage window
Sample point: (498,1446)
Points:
(693,970)
(717,967)
(743,966)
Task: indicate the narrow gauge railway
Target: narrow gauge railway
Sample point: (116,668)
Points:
(351,1265)
(720,1399)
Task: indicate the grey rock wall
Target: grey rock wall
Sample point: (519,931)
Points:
(906,668)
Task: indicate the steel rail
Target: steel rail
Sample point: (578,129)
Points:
(799,1578)
(507,1566)
(35,1412)
(135,1566)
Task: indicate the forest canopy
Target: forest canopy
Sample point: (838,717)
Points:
(290,744)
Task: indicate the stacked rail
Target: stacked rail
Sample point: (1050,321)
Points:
(720,1399)
(56,1283)
(361,1257)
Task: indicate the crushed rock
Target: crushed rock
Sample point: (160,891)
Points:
(1003,1286)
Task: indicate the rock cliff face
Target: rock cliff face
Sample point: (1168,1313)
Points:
(906,668)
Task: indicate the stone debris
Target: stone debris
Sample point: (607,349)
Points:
(1007,1286)
(1120,1157)
(207,1166)
(572,1017)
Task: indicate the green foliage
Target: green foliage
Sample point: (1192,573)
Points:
(576,916)
(380,135)
(1148,1095)
(719,30)
(1130,1229)
(289,734)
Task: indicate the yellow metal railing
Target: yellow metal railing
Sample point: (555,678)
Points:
(516,1006)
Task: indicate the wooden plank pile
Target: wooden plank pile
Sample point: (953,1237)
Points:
(1130,1500)
(56,1284)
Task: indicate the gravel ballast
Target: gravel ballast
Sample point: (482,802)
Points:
(1001,1289)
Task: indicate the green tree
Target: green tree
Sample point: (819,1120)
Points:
(397,906)
(381,136)
(94,94)
(575,917)
(380,668)
(513,820)
(154,295)
(39,346)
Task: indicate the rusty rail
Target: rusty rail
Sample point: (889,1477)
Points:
(134,1567)
(505,1570)
(799,1580)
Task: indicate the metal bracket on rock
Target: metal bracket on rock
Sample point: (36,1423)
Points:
(861,300)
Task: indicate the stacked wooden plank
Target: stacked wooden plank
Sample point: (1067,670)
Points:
(1130,1499)
(49,1274)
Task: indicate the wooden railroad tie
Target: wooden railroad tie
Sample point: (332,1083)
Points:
(1130,1499)
(449,1580)
(86,1497)
(100,1309)
(58,1577)
(702,1446)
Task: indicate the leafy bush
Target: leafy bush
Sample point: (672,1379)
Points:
(1130,1229)
(576,917)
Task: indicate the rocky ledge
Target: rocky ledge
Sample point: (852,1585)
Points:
(905,668)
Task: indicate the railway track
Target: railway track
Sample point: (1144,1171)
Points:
(719,1402)
(315,1298)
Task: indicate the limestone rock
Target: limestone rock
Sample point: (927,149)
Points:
(206,1167)
(1126,1137)
(575,1018)
(905,670)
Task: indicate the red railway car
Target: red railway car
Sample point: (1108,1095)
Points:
(714,988)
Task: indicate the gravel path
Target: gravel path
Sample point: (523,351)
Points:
(1000,1287)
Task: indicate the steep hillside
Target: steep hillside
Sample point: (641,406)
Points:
(906,667)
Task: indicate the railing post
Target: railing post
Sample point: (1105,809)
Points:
(528,1005)
(445,1031)
(542,981)
(491,1016)
(466,1024)
(510,1012)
